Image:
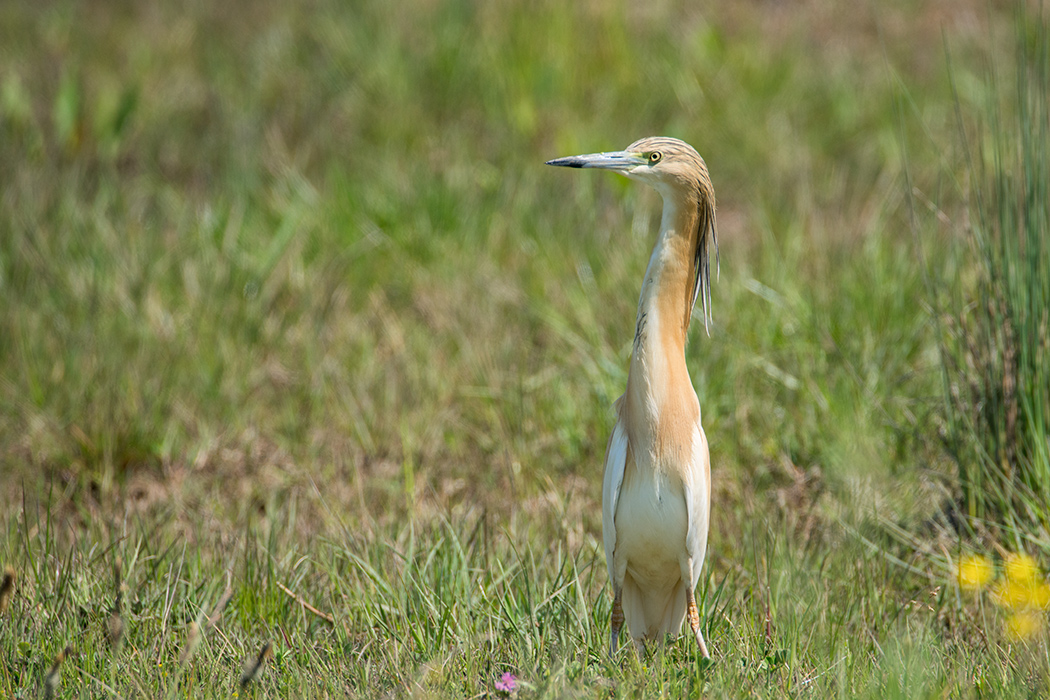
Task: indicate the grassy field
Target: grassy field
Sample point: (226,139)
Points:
(307,360)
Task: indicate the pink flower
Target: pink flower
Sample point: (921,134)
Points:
(508,683)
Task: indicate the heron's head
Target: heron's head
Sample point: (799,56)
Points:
(679,174)
(664,163)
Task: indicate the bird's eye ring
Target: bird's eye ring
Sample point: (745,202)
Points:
(655,157)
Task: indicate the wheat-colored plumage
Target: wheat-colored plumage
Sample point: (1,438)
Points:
(656,494)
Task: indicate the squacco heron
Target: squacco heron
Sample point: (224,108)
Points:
(656,493)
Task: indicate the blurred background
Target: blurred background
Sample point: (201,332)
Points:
(255,245)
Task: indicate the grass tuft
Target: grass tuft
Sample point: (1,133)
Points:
(997,356)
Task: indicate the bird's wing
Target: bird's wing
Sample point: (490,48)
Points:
(697,486)
(615,463)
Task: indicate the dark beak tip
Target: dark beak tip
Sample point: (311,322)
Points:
(569,162)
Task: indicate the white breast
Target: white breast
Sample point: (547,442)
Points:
(651,524)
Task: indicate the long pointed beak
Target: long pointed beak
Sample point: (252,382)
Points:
(615,160)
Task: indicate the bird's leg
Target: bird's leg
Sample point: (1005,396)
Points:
(616,622)
(694,624)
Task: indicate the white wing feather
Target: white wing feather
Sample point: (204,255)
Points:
(615,463)
(698,503)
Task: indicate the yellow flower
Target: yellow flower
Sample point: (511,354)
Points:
(1010,594)
(1041,596)
(1024,625)
(1021,568)
(974,572)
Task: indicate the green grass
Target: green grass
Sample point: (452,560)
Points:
(289,299)
(447,607)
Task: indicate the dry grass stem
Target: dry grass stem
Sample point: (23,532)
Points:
(54,674)
(299,599)
(220,605)
(252,671)
(193,636)
(7,589)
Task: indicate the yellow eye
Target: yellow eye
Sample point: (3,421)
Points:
(655,157)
